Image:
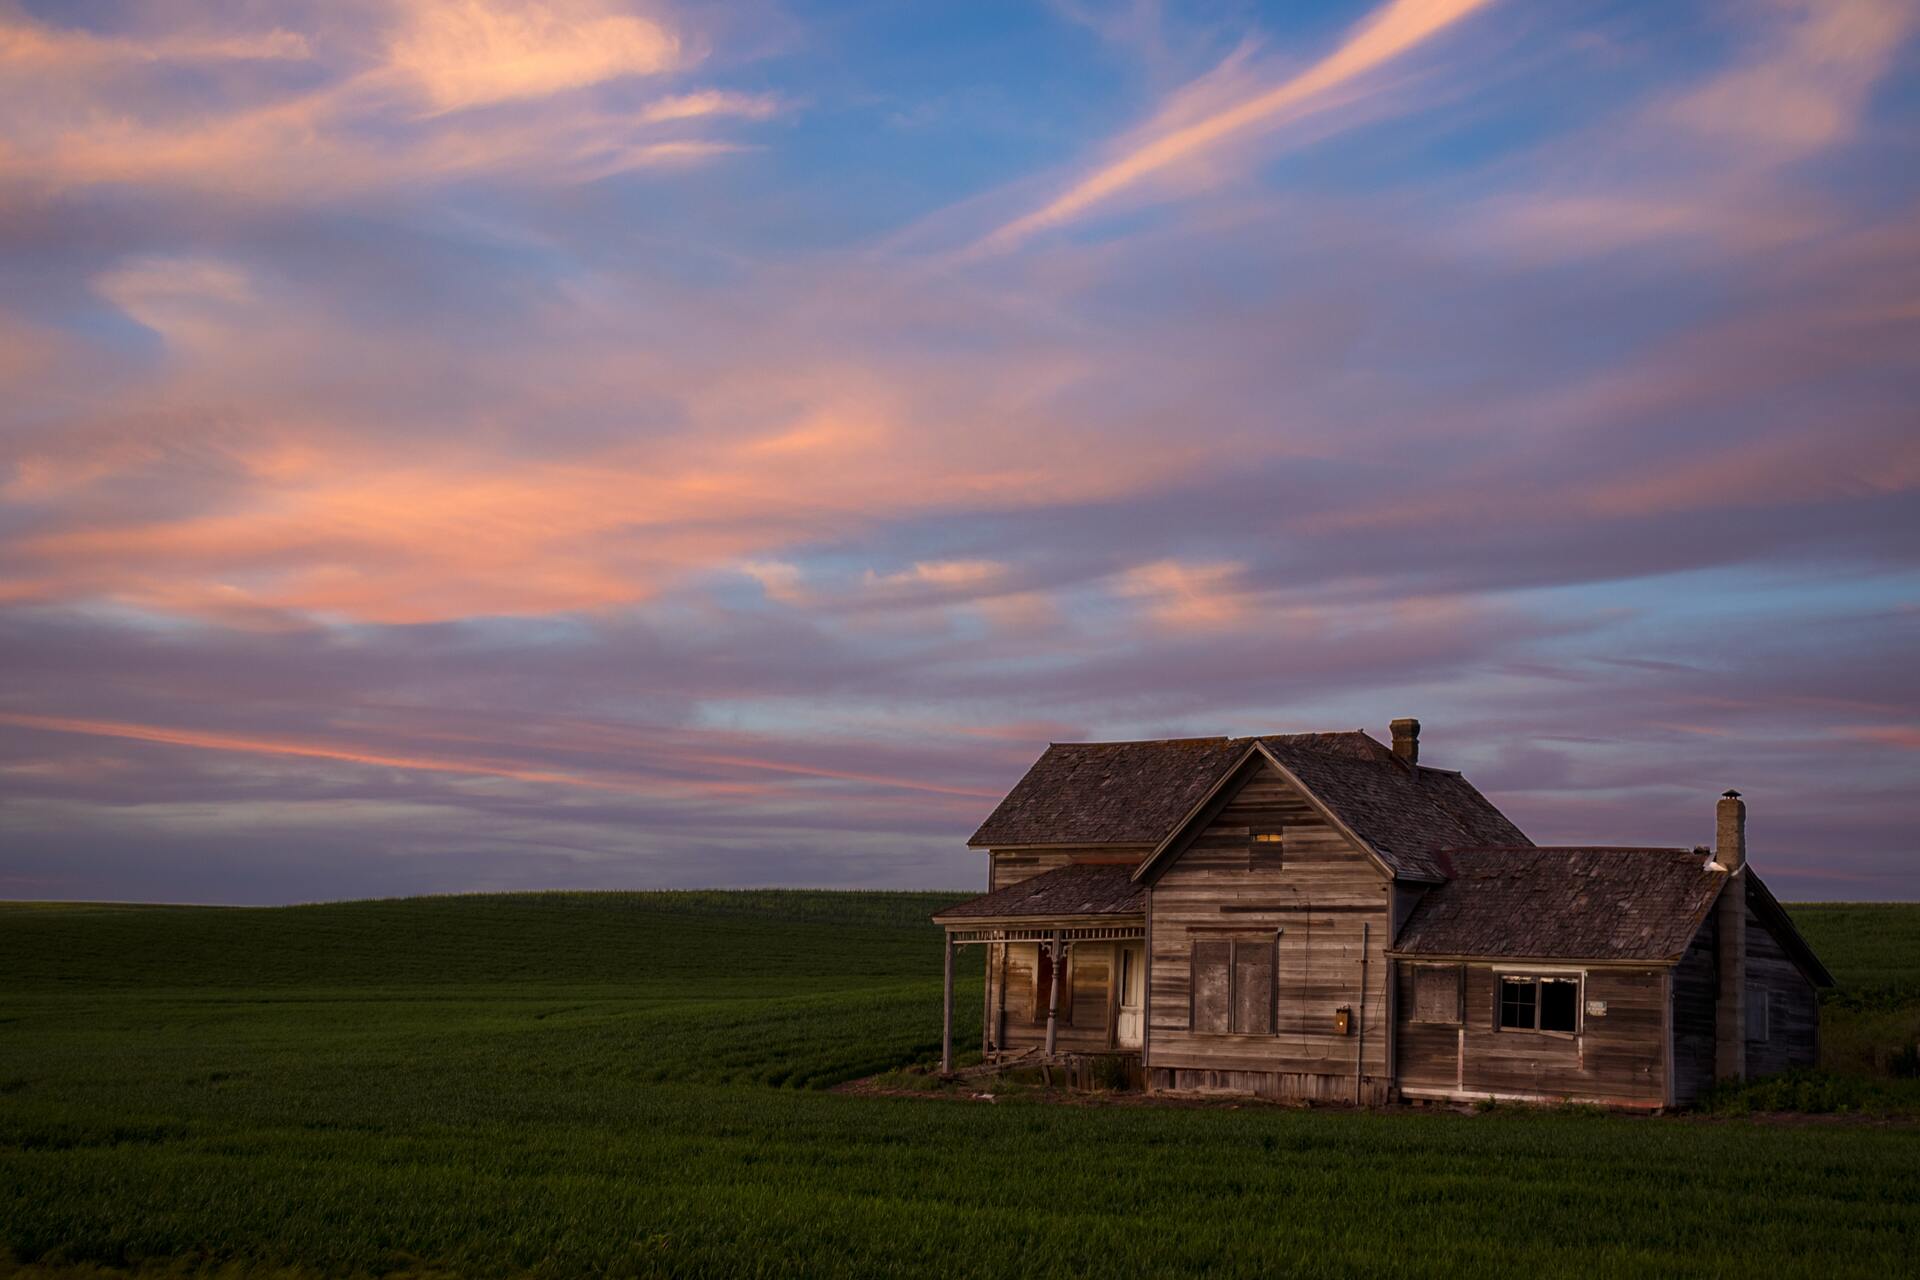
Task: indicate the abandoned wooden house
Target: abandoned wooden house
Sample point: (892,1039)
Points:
(1321,916)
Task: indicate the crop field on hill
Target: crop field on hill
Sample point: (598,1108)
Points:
(635,1084)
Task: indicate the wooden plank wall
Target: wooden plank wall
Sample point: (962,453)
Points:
(1011,866)
(1318,895)
(1793,1038)
(1794,1027)
(1696,990)
(1618,1058)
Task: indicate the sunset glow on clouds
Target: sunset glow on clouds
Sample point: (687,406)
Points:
(489,444)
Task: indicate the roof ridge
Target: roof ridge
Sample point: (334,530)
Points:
(1141,742)
(1568,848)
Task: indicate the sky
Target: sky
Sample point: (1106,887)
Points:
(478,445)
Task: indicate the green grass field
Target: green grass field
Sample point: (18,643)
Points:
(634,1084)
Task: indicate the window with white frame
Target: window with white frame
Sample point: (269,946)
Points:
(1539,1002)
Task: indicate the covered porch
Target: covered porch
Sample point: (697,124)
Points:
(1065,965)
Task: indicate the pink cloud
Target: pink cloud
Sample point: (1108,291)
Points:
(1904,737)
(1390,32)
(465,53)
(457,90)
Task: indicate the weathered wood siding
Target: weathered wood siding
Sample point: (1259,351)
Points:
(1011,866)
(1616,1058)
(1789,1038)
(1696,987)
(1792,1029)
(1315,896)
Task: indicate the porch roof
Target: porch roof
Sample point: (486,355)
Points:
(1071,892)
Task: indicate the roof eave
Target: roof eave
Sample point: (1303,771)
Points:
(1467,957)
(1011,846)
(1072,920)
(1795,945)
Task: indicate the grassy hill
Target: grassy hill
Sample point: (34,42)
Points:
(631,1084)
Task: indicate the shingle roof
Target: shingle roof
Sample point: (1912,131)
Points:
(1137,793)
(1077,890)
(1405,814)
(1564,904)
(1107,792)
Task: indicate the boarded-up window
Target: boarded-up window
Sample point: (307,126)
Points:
(1233,988)
(1212,986)
(1253,988)
(1436,994)
(1265,847)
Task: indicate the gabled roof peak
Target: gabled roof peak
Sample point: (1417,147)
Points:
(1140,792)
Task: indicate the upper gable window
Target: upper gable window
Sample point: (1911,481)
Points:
(1266,847)
(1540,1004)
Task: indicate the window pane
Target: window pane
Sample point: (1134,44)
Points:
(1211,962)
(1759,1025)
(1559,1004)
(1516,1002)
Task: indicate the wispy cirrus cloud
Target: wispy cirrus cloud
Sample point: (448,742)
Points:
(1707,163)
(28,47)
(1805,81)
(1175,138)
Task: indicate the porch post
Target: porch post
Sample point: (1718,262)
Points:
(1053,994)
(986,1002)
(1000,1004)
(946,1015)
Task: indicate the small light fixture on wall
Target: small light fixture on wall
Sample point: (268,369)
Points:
(1343,1020)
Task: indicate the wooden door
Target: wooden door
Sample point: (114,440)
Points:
(1130,981)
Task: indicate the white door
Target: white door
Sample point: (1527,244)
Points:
(1132,979)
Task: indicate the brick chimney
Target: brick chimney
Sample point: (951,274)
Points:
(1730,939)
(1730,831)
(1406,740)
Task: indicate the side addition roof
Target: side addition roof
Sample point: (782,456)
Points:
(1084,889)
(1564,903)
(1584,903)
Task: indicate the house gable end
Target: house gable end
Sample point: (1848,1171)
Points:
(1766,909)
(1254,763)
